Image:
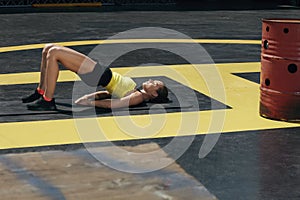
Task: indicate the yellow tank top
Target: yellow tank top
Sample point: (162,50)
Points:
(120,85)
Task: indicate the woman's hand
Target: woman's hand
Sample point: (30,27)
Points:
(83,101)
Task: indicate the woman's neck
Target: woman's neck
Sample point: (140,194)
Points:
(146,96)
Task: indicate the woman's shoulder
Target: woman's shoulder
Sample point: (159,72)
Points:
(134,98)
(137,93)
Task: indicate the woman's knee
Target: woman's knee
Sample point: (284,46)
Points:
(46,48)
(53,52)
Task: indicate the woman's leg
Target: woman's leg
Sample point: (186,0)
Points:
(70,59)
(40,91)
(53,55)
(43,66)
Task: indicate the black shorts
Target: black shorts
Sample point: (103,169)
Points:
(100,76)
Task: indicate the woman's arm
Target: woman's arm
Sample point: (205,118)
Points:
(130,100)
(102,95)
(99,95)
(93,96)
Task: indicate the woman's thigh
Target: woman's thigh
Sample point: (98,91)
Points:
(72,60)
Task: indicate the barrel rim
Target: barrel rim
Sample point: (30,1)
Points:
(282,20)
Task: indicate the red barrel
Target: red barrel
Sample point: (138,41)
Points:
(280,69)
(281,38)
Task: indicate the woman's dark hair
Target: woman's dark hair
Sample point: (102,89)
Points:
(162,97)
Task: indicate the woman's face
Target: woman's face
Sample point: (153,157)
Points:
(151,86)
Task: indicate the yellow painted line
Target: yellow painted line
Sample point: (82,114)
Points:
(66,75)
(45,5)
(122,41)
(242,95)
(213,41)
(34,77)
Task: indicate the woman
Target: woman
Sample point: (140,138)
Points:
(122,89)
